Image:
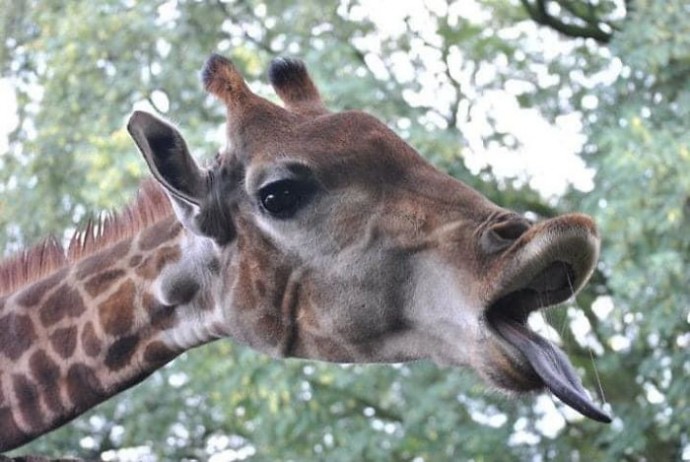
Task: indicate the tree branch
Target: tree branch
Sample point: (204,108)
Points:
(539,14)
(451,118)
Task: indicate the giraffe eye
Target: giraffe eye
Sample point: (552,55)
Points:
(283,198)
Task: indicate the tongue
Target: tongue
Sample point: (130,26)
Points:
(551,364)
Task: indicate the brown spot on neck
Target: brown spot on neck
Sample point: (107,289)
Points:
(83,387)
(103,259)
(103,281)
(12,435)
(17,334)
(121,352)
(89,340)
(28,400)
(117,312)
(46,374)
(64,302)
(64,341)
(32,295)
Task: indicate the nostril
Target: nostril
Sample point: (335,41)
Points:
(503,234)
(511,230)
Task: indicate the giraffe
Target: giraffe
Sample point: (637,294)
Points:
(313,234)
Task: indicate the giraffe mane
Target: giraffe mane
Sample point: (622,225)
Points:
(34,263)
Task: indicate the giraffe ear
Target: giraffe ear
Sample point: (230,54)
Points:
(172,165)
(168,158)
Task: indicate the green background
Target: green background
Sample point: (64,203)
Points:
(78,68)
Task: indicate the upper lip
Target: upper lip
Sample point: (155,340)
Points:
(553,285)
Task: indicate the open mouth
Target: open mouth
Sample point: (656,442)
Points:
(507,316)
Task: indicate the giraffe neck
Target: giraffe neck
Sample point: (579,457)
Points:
(99,326)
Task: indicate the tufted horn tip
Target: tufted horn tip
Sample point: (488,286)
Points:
(220,78)
(291,80)
(283,70)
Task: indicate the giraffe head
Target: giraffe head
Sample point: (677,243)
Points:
(335,240)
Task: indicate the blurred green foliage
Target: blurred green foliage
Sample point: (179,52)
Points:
(78,69)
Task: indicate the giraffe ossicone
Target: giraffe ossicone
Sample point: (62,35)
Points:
(313,234)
